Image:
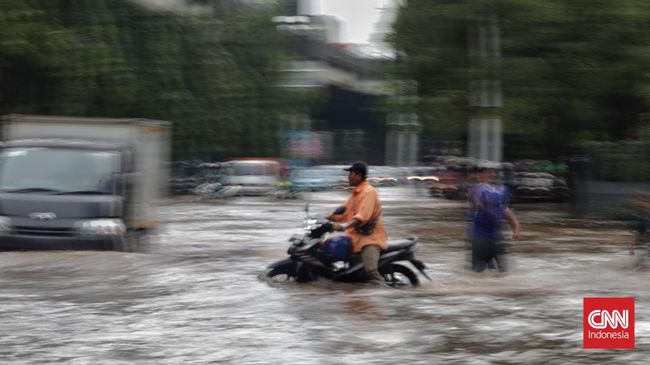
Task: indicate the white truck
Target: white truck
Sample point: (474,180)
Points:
(80,183)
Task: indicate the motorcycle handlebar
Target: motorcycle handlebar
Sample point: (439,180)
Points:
(324,226)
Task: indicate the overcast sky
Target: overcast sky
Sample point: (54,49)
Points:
(358,16)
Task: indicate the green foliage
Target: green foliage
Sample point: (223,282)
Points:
(213,75)
(569,69)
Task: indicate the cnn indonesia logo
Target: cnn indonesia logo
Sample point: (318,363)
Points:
(608,323)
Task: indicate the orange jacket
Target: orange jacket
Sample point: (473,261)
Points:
(363,204)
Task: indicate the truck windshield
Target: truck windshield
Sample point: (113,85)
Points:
(58,170)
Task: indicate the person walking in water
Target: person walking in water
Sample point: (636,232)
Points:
(640,246)
(488,209)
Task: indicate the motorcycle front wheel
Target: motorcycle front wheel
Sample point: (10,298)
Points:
(281,273)
(397,275)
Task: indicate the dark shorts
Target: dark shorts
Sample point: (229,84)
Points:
(488,252)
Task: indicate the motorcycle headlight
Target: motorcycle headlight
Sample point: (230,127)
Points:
(310,224)
(102,227)
(5,224)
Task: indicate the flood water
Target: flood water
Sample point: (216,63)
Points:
(194,296)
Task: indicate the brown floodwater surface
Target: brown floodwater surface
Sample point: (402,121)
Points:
(194,295)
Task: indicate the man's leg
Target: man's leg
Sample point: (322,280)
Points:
(469,254)
(370,257)
(479,261)
(502,250)
(641,251)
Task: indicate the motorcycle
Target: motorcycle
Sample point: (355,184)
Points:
(309,260)
(217,191)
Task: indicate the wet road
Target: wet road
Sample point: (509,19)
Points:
(194,296)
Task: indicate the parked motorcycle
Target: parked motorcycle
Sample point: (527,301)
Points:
(309,259)
(217,191)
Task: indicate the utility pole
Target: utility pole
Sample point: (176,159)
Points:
(485,140)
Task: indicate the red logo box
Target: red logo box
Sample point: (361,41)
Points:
(608,323)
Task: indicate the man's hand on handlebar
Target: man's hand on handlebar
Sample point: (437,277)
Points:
(335,216)
(343,226)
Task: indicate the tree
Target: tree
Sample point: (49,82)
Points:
(571,70)
(213,75)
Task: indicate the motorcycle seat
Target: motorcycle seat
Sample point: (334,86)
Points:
(396,245)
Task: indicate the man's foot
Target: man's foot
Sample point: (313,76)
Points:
(377,283)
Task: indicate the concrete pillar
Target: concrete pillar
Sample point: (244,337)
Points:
(485,129)
(402,126)
(402,140)
(390,148)
(413,151)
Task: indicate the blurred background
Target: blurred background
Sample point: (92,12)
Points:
(266,102)
(323,82)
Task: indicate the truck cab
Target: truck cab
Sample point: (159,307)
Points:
(79,183)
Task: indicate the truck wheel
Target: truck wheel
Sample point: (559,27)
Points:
(130,243)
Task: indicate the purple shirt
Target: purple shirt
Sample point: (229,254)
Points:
(489,204)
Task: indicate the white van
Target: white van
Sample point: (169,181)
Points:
(254,177)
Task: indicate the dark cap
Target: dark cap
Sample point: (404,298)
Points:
(359,167)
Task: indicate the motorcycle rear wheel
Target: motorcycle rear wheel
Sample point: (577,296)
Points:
(397,275)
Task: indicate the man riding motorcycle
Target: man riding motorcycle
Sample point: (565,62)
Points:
(363,222)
